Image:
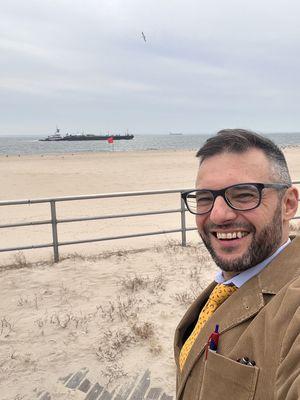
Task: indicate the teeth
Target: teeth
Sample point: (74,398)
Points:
(231,235)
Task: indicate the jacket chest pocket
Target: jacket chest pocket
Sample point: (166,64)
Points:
(228,379)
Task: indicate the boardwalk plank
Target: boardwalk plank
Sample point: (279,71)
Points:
(94,393)
(125,390)
(85,386)
(142,387)
(154,393)
(74,382)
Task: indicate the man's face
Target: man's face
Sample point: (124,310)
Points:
(261,228)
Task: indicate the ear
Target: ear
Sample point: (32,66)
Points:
(290,203)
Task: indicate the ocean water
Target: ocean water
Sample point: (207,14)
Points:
(31,145)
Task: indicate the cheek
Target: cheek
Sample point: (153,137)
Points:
(259,217)
(200,220)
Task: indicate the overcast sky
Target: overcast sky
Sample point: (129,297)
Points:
(205,65)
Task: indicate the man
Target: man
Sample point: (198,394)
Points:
(243,203)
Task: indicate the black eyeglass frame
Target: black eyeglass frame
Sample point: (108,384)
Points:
(222,193)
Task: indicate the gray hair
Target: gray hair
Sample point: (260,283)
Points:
(241,140)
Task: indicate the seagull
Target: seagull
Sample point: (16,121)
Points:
(144,37)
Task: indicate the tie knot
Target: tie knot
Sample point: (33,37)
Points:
(221,293)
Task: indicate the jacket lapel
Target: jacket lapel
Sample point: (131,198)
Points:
(284,268)
(190,318)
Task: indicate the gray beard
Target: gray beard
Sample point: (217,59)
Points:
(261,247)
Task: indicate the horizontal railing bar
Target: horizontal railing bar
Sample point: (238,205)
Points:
(26,224)
(117,216)
(89,218)
(92,196)
(47,222)
(37,246)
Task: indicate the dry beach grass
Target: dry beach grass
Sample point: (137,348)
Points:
(114,314)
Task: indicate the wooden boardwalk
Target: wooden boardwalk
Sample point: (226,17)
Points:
(138,388)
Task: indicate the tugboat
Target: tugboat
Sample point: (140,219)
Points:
(53,138)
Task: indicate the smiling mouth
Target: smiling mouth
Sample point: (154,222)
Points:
(230,235)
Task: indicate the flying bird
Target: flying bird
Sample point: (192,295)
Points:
(144,37)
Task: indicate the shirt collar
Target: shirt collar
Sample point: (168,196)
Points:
(243,277)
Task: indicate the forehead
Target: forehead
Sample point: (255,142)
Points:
(227,169)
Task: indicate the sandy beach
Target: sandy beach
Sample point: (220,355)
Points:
(29,177)
(109,307)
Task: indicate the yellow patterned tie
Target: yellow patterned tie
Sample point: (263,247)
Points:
(217,297)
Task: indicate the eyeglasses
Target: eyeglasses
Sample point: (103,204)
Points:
(241,197)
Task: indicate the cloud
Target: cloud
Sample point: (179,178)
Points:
(205,61)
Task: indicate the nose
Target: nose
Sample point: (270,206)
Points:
(221,213)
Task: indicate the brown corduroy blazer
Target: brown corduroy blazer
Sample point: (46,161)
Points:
(261,320)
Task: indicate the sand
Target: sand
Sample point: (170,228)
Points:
(29,177)
(113,306)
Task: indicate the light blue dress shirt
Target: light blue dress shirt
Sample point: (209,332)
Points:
(243,277)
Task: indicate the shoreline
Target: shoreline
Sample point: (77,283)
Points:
(88,153)
(120,152)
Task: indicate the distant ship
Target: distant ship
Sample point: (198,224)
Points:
(57,137)
(175,133)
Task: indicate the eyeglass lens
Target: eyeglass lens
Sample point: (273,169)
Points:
(240,197)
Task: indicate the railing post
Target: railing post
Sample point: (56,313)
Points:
(54,231)
(183,225)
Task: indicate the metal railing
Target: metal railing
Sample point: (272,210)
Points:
(54,221)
